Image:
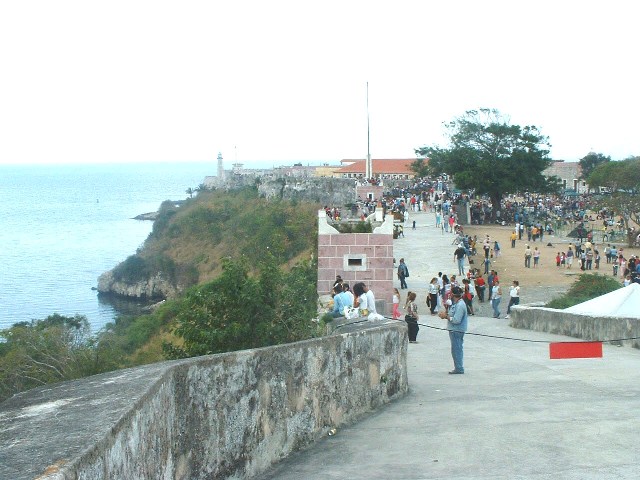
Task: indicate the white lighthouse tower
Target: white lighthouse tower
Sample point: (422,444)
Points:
(220,168)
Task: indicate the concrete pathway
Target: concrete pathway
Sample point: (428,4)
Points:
(514,414)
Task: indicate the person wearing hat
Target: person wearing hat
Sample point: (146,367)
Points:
(457,325)
(458,255)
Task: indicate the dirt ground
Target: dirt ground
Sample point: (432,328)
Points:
(537,284)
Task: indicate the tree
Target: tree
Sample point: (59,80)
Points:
(420,167)
(622,179)
(591,161)
(44,351)
(238,311)
(492,157)
(616,176)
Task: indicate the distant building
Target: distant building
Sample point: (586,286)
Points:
(396,169)
(569,174)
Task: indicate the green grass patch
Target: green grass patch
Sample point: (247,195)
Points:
(587,287)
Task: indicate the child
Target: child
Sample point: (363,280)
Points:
(563,259)
(558,260)
(396,304)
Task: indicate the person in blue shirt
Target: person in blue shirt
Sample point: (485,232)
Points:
(457,325)
(339,301)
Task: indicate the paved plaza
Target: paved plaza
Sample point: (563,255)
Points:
(514,414)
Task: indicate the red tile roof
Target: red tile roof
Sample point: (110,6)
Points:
(400,166)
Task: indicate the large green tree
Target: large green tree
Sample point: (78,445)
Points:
(489,155)
(590,161)
(420,167)
(622,180)
(239,311)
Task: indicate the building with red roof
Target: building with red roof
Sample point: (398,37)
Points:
(384,168)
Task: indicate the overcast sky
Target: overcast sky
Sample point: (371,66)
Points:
(282,81)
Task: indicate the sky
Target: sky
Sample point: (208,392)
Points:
(275,82)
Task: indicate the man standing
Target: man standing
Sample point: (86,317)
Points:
(403,272)
(527,257)
(486,246)
(514,237)
(459,255)
(457,325)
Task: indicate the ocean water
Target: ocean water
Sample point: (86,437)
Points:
(64,225)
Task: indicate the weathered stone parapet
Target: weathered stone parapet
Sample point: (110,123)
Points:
(219,416)
(586,327)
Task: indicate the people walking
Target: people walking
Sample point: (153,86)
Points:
(403,272)
(514,296)
(396,304)
(527,257)
(434,289)
(458,255)
(496,297)
(480,287)
(411,317)
(569,258)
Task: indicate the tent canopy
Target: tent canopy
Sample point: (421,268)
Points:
(624,302)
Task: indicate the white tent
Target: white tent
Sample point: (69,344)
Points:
(624,302)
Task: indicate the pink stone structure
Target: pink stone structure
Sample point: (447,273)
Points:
(357,257)
(369,192)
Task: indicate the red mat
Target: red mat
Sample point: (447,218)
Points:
(575,350)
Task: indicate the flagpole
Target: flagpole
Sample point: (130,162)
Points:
(369,166)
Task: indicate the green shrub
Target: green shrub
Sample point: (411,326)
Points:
(587,287)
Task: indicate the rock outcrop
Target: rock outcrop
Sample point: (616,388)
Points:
(156,287)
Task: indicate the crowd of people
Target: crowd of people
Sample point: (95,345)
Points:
(534,218)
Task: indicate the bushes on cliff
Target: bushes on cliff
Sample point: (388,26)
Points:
(50,350)
(187,242)
(238,311)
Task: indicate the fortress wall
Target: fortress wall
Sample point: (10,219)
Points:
(221,416)
(586,327)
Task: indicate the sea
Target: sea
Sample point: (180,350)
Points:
(64,225)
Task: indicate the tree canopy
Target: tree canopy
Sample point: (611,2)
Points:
(238,311)
(590,161)
(622,180)
(489,155)
(616,176)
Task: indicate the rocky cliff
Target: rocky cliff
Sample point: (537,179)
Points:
(155,287)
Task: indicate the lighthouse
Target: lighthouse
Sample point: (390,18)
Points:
(220,168)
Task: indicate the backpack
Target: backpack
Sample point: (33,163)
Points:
(405,270)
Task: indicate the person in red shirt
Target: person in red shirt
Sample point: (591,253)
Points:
(481,287)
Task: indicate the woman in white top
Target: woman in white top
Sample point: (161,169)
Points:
(496,296)
(514,293)
(434,289)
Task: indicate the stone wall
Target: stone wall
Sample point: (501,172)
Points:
(220,416)
(322,190)
(586,327)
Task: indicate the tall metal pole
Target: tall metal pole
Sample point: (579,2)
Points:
(369,165)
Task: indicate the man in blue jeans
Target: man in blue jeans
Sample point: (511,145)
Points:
(458,255)
(457,326)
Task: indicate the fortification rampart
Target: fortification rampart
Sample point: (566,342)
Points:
(323,190)
(586,327)
(219,416)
